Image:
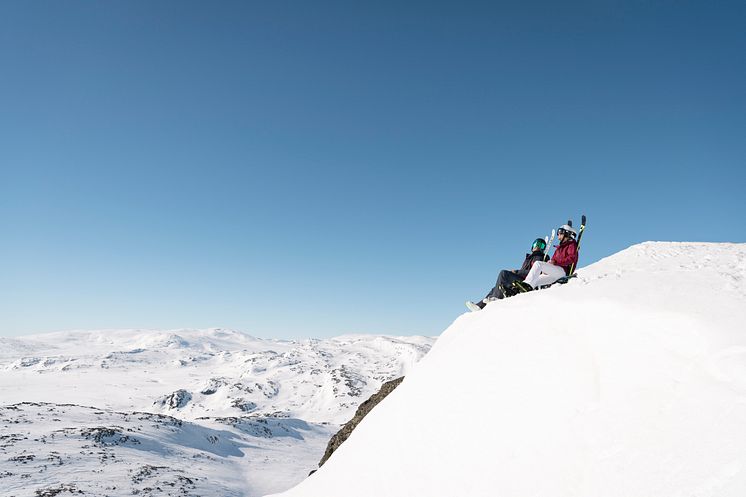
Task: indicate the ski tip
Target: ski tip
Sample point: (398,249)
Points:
(472,306)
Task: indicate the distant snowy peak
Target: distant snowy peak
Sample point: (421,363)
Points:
(213,372)
(197,412)
(101,341)
(212,340)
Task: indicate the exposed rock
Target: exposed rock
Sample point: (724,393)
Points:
(362,411)
(213,385)
(103,436)
(53,491)
(244,405)
(176,400)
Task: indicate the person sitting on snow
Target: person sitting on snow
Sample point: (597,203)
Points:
(564,259)
(507,276)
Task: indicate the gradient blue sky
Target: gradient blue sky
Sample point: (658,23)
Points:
(297,169)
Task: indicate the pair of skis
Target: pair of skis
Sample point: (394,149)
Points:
(548,241)
(580,236)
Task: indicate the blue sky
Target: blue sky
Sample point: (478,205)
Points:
(296,169)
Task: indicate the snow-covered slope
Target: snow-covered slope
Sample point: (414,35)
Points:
(627,382)
(221,372)
(205,412)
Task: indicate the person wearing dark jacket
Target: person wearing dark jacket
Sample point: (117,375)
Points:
(507,276)
(565,257)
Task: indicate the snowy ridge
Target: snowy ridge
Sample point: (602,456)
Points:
(224,372)
(183,412)
(627,382)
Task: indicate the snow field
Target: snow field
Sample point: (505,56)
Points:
(183,412)
(629,381)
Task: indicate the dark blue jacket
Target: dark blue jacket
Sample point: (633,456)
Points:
(528,262)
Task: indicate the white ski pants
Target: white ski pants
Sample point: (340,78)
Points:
(543,273)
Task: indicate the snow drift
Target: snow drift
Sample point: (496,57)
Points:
(629,381)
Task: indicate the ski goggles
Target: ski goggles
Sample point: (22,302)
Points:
(541,245)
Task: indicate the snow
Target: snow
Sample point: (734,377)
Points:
(314,380)
(180,412)
(628,381)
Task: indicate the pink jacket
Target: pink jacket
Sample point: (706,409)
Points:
(566,255)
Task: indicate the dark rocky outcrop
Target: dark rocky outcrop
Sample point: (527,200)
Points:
(362,411)
(176,400)
(244,405)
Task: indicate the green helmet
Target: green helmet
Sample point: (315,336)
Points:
(540,244)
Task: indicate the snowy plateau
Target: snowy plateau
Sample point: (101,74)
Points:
(186,412)
(629,381)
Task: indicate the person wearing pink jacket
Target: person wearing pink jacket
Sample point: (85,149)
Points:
(565,257)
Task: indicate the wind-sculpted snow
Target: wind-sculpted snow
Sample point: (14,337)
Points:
(185,412)
(629,381)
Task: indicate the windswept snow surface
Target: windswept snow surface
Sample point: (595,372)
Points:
(186,412)
(627,382)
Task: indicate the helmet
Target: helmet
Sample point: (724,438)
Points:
(540,243)
(566,229)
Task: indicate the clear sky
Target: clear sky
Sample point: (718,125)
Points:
(295,169)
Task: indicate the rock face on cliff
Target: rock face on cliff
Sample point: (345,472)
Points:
(362,411)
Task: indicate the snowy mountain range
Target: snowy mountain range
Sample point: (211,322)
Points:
(629,381)
(182,412)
